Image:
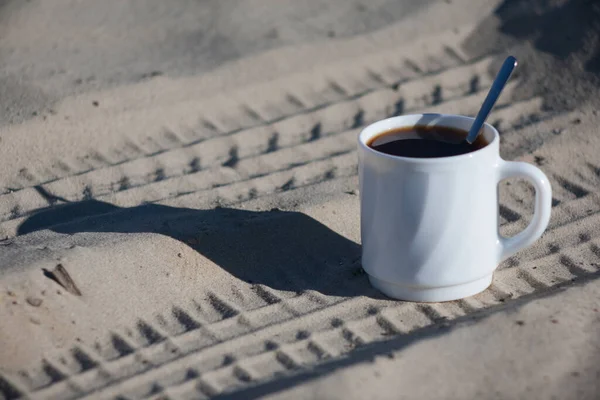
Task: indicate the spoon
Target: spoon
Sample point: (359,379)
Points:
(507,68)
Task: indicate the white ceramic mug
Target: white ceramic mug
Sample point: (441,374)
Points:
(429,226)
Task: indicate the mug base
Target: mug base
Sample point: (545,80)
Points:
(431,295)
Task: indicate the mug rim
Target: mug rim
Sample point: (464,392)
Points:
(367,132)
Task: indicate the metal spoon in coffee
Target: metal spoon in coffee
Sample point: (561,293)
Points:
(507,68)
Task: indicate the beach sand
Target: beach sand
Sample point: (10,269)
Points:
(179,214)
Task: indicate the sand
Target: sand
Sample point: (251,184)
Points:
(179,214)
(483,348)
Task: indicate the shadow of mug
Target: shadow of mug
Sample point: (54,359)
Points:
(284,250)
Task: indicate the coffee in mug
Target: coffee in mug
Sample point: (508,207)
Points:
(425,142)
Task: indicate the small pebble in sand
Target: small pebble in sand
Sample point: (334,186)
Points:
(520,323)
(34,301)
(34,320)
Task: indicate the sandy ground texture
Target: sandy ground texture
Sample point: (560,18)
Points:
(477,354)
(178,199)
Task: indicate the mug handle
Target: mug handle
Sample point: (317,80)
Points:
(541,213)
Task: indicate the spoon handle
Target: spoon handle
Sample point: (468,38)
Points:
(507,68)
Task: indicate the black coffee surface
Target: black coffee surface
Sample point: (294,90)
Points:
(425,142)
